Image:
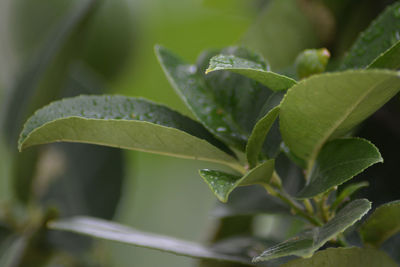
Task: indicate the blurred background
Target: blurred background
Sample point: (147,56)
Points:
(55,48)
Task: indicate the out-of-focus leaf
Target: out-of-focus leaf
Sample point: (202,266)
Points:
(42,77)
(345,257)
(307,243)
(347,192)
(11,250)
(327,106)
(390,59)
(338,161)
(258,135)
(222,184)
(280,32)
(375,41)
(116,232)
(382,224)
(252,70)
(124,122)
(226,103)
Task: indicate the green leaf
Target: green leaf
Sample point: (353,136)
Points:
(307,243)
(347,192)
(252,70)
(337,162)
(329,105)
(124,122)
(345,257)
(383,223)
(222,184)
(390,59)
(225,103)
(377,39)
(112,231)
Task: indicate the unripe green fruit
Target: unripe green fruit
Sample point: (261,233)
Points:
(312,61)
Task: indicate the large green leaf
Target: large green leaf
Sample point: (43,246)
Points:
(338,161)
(327,106)
(222,184)
(226,103)
(380,36)
(390,59)
(382,224)
(307,243)
(112,231)
(124,122)
(252,70)
(345,257)
(258,135)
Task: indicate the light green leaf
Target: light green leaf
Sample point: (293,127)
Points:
(347,192)
(115,232)
(329,105)
(307,243)
(258,135)
(252,70)
(376,40)
(390,59)
(227,104)
(345,257)
(222,184)
(124,122)
(337,162)
(383,223)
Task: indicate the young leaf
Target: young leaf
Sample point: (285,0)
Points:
(345,257)
(222,184)
(326,106)
(112,231)
(124,122)
(390,59)
(383,223)
(258,135)
(337,162)
(252,70)
(376,40)
(347,192)
(307,243)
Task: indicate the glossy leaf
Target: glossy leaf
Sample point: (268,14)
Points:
(252,70)
(226,103)
(337,162)
(222,184)
(327,106)
(345,257)
(378,38)
(307,243)
(115,232)
(383,223)
(347,192)
(124,122)
(390,59)
(258,135)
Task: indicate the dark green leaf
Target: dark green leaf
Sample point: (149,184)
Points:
(226,103)
(329,105)
(390,59)
(252,70)
(112,231)
(345,257)
(347,192)
(337,162)
(124,122)
(307,243)
(383,223)
(222,184)
(380,36)
(258,135)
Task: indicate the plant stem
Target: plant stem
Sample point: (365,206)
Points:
(297,208)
